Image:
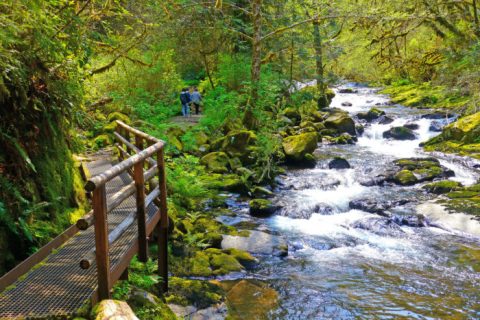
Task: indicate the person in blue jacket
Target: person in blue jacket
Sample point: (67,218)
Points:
(185,100)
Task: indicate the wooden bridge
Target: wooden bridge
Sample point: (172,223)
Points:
(82,264)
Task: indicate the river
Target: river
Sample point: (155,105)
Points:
(336,270)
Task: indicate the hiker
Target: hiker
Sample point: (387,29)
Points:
(185,100)
(196,98)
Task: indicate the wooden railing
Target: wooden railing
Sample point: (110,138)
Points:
(138,161)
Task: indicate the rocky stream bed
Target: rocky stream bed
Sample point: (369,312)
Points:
(374,227)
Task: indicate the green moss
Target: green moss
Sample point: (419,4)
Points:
(118,116)
(242,256)
(405,178)
(200,294)
(296,147)
(200,265)
(102,141)
(426,174)
(462,194)
(441,187)
(223,263)
(216,162)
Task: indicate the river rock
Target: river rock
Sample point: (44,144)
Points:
(251,299)
(434,115)
(304,212)
(435,126)
(385,120)
(399,133)
(341,122)
(413,220)
(378,225)
(371,206)
(412,126)
(262,208)
(339,163)
(347,90)
(347,104)
(297,147)
(441,187)
(257,242)
(371,115)
(410,171)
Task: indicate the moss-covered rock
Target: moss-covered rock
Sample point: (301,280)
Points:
(216,162)
(174,137)
(223,263)
(405,178)
(292,114)
(399,133)
(261,208)
(441,187)
(340,122)
(371,114)
(236,143)
(296,147)
(245,258)
(118,116)
(200,294)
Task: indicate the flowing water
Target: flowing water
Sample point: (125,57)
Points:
(336,270)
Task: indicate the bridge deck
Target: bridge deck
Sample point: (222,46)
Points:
(58,287)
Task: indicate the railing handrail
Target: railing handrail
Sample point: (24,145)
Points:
(102,178)
(138,132)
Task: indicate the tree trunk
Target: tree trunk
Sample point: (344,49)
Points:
(249,118)
(317,38)
(475,14)
(207,70)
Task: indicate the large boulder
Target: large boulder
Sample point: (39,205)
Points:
(298,146)
(399,133)
(465,130)
(216,162)
(341,122)
(414,170)
(371,206)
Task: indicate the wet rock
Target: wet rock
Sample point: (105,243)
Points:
(434,115)
(375,181)
(262,208)
(399,133)
(405,178)
(344,138)
(435,126)
(378,225)
(347,104)
(305,212)
(415,220)
(251,299)
(385,120)
(339,163)
(347,90)
(360,129)
(371,206)
(298,146)
(257,242)
(258,191)
(441,187)
(414,170)
(341,122)
(371,115)
(411,126)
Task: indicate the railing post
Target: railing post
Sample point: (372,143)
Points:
(141,212)
(101,242)
(162,226)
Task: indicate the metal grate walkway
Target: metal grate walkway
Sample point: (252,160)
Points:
(58,287)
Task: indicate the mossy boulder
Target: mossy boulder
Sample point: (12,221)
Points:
(399,133)
(298,146)
(261,207)
(441,187)
(340,122)
(236,143)
(405,178)
(371,114)
(118,116)
(245,258)
(200,294)
(223,263)
(292,114)
(325,101)
(216,162)
(465,130)
(174,137)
